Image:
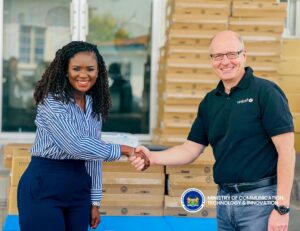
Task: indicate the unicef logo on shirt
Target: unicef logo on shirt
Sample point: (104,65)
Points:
(192,200)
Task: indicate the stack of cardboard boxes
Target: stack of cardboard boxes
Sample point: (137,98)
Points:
(197,175)
(261,23)
(128,192)
(185,75)
(16,158)
(289,81)
(125,191)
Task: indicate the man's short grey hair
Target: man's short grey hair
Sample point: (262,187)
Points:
(238,36)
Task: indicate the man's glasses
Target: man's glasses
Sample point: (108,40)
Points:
(229,55)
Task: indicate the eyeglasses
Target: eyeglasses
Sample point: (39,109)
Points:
(229,55)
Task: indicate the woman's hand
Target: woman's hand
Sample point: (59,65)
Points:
(95,217)
(141,159)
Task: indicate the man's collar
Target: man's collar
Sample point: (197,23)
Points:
(243,84)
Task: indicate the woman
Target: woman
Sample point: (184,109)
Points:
(61,188)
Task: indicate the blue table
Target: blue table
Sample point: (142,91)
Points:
(139,223)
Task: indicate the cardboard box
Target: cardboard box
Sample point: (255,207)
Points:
(130,200)
(181,24)
(10,149)
(261,9)
(264,59)
(273,1)
(12,201)
(289,66)
(188,57)
(183,182)
(123,165)
(198,170)
(199,78)
(290,84)
(189,88)
(173,208)
(290,48)
(201,7)
(133,183)
(179,118)
(186,49)
(294,101)
(177,192)
(262,46)
(257,26)
(177,98)
(296,120)
(130,211)
(170,141)
(181,108)
(19,165)
(189,41)
(202,166)
(221,19)
(267,75)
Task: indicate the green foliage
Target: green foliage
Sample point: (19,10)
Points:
(105,29)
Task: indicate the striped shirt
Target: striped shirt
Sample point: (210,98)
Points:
(64,131)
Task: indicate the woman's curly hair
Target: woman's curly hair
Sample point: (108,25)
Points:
(54,79)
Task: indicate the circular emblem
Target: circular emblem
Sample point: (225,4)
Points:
(124,210)
(206,169)
(192,200)
(250,100)
(123,189)
(204,213)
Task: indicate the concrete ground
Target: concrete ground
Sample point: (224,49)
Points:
(295,199)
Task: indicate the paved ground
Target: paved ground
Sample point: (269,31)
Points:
(295,203)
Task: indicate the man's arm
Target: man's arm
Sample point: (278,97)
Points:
(179,155)
(284,144)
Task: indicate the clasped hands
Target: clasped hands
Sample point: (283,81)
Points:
(139,157)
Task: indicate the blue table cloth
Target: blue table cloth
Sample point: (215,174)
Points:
(139,223)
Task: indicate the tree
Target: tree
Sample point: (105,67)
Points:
(105,29)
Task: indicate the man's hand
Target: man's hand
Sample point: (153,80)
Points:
(141,159)
(95,217)
(278,222)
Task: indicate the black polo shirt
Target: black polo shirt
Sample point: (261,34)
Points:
(239,127)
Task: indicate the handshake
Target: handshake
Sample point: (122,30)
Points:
(139,157)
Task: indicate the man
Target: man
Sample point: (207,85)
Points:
(247,122)
(120,89)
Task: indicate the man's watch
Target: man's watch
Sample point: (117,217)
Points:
(281,209)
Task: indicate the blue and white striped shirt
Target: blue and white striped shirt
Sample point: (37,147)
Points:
(64,131)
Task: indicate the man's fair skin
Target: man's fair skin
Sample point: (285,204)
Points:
(230,72)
